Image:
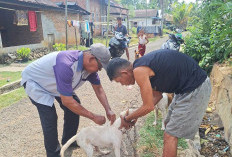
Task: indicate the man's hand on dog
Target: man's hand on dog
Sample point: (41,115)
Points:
(98,119)
(127,124)
(111,116)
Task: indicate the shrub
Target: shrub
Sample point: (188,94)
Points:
(210,38)
(23,53)
(59,47)
(134,30)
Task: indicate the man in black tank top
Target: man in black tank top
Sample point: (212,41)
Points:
(171,72)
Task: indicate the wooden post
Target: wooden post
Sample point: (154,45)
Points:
(108,20)
(75,36)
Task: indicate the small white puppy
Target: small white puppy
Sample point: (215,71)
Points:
(99,136)
(162,105)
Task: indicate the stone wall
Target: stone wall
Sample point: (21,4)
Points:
(10,57)
(221,97)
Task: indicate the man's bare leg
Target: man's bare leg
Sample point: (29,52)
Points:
(170,145)
(127,54)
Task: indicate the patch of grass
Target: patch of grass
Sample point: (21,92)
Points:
(11,97)
(80,48)
(11,76)
(151,138)
(100,40)
(153,39)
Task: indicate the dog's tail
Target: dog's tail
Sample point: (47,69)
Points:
(67,144)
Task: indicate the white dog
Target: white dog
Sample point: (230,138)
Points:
(162,105)
(99,136)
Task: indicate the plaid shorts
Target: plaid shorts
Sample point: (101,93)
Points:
(186,111)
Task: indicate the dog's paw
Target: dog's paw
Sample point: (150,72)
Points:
(105,152)
(126,153)
(154,123)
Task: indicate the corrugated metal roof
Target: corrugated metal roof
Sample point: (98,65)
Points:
(115,4)
(142,13)
(40,2)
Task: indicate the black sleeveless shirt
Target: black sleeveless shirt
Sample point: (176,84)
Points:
(175,72)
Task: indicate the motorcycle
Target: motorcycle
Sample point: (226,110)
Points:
(173,43)
(117,44)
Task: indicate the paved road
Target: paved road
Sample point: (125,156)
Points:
(21,133)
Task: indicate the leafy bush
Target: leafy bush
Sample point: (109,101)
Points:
(59,47)
(23,53)
(134,30)
(80,48)
(210,38)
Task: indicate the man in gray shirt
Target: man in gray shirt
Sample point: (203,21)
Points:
(56,76)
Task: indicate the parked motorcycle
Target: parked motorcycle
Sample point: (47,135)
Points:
(117,44)
(173,43)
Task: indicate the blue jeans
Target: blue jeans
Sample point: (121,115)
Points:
(48,118)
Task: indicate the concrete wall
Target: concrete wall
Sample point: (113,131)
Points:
(221,97)
(53,23)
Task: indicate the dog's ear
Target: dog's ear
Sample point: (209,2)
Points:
(127,112)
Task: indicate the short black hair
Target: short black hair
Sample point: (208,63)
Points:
(115,65)
(119,18)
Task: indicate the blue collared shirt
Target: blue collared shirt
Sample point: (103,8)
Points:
(55,74)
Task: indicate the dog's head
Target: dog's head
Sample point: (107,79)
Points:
(129,111)
(136,54)
(117,123)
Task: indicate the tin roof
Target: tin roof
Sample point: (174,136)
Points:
(40,2)
(142,13)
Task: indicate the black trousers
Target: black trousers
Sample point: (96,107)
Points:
(48,118)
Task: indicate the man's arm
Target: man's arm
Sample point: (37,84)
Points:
(75,107)
(100,93)
(142,75)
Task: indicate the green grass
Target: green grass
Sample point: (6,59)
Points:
(11,97)
(12,76)
(100,40)
(151,138)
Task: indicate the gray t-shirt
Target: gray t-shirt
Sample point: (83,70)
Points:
(55,74)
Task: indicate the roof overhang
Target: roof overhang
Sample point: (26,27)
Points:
(35,5)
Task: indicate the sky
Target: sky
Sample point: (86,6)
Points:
(186,1)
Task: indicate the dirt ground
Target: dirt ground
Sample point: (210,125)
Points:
(21,132)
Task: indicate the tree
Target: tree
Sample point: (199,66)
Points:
(181,13)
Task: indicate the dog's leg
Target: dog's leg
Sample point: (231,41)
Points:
(117,151)
(88,148)
(101,151)
(164,114)
(156,115)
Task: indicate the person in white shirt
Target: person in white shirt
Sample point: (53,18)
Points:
(142,42)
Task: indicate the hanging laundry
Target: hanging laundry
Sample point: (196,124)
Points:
(76,23)
(87,26)
(69,23)
(20,18)
(91,28)
(82,30)
(32,20)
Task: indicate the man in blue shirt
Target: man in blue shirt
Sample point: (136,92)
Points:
(56,76)
(121,28)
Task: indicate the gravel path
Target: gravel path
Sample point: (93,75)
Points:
(21,132)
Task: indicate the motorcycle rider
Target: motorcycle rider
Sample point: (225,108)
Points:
(121,28)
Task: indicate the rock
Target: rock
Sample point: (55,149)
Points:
(221,97)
